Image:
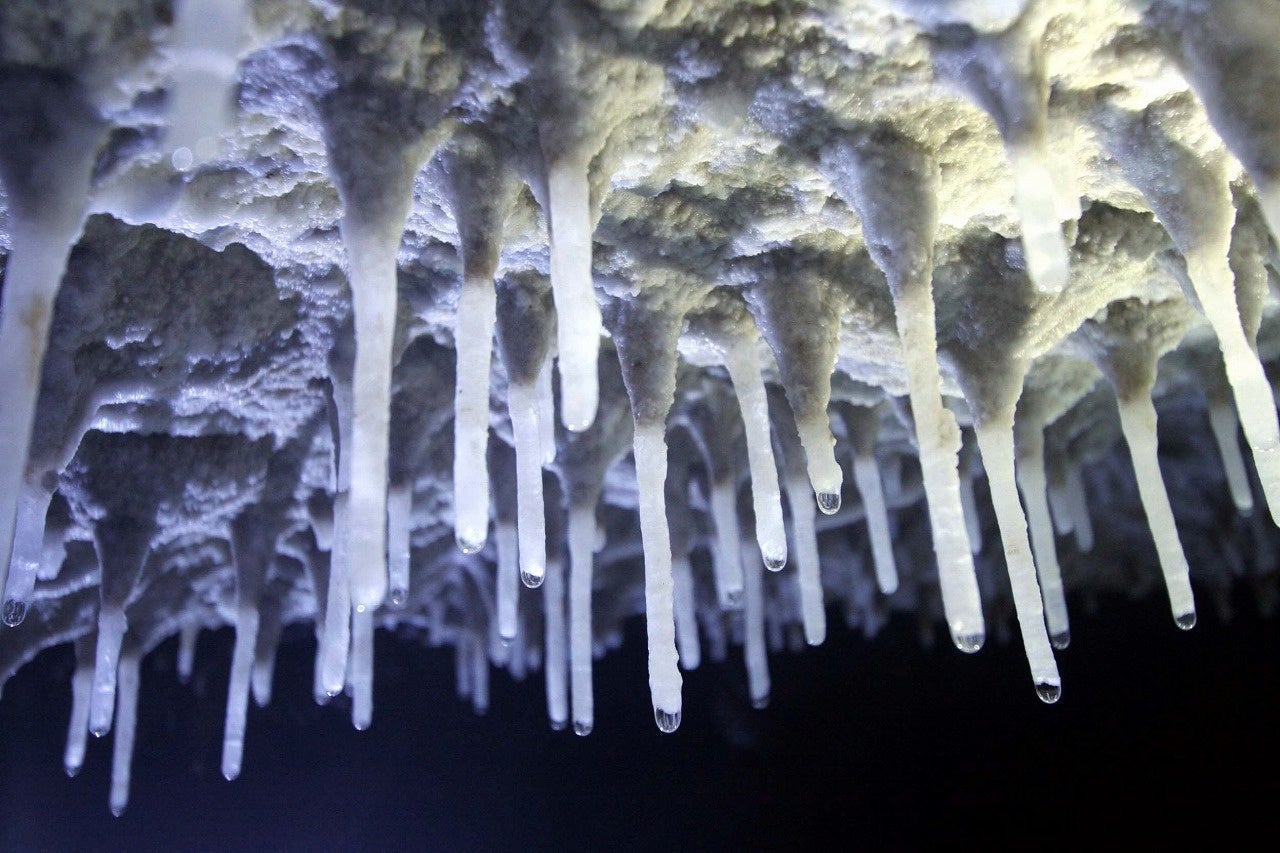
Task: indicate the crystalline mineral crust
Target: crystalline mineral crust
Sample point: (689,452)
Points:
(502,322)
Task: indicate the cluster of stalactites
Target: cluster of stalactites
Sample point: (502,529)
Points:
(790,444)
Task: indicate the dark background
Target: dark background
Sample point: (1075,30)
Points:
(869,744)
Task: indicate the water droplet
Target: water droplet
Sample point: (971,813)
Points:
(774,562)
(1186,621)
(667,722)
(558,725)
(1049,693)
(506,641)
(182,159)
(531,580)
(582,728)
(73,770)
(969,643)
(760,702)
(829,502)
(731,600)
(398,596)
(117,809)
(100,731)
(1060,640)
(468,546)
(15,611)
(360,725)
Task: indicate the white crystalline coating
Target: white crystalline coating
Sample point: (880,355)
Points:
(336,639)
(1033,483)
(804,534)
(522,403)
(582,534)
(474,341)
(508,578)
(238,690)
(766,498)
(546,413)
(1078,505)
(996,445)
(556,657)
(1138,420)
(208,36)
(187,638)
(28,553)
(726,559)
(1042,240)
(866,475)
(754,651)
(106,655)
(362,669)
(1215,288)
(78,725)
(1225,425)
(578,315)
(650,447)
(371,253)
(126,730)
(686,613)
(399,520)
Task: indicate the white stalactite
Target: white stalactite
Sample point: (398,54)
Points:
(754,651)
(726,559)
(578,315)
(208,36)
(126,730)
(336,640)
(582,534)
(508,578)
(522,403)
(804,535)
(1033,483)
(555,658)
(744,372)
(866,475)
(474,341)
(686,613)
(1225,425)
(650,449)
(1138,420)
(996,443)
(81,687)
(362,669)
(399,525)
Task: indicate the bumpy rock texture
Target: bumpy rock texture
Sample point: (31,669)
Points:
(771,275)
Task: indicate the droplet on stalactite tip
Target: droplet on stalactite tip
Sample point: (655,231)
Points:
(829,502)
(667,721)
(775,563)
(532,580)
(1185,621)
(969,643)
(760,702)
(14,612)
(398,596)
(558,725)
(1049,693)
(469,545)
(732,599)
(1060,640)
(582,728)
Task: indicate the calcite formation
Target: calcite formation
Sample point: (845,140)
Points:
(766,279)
